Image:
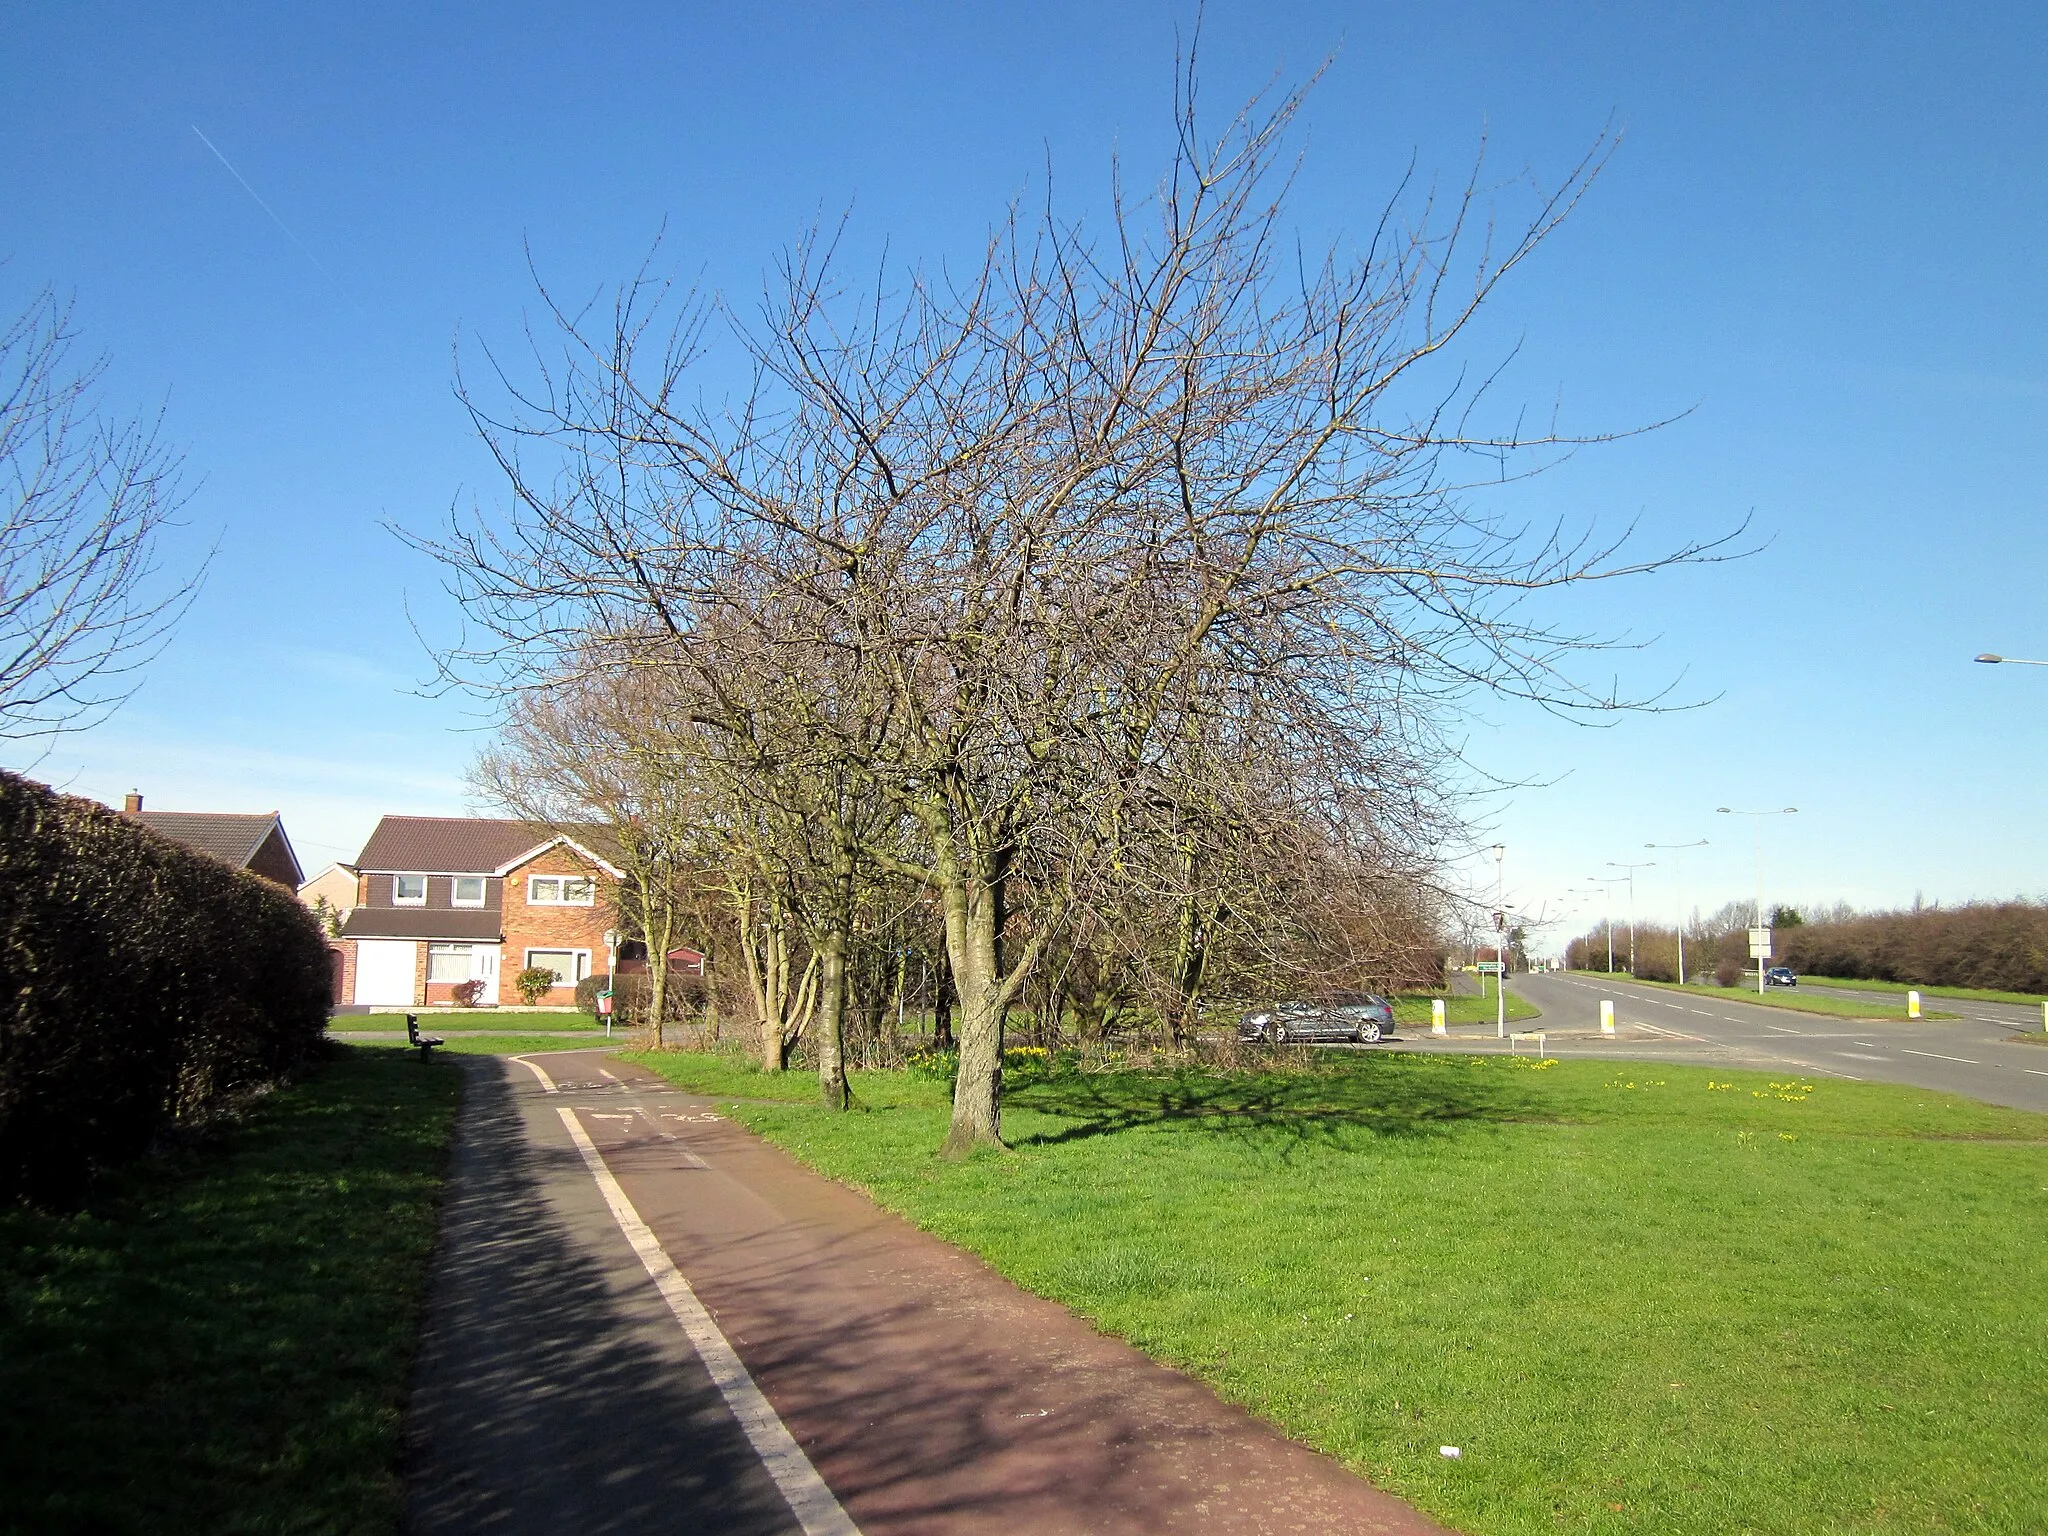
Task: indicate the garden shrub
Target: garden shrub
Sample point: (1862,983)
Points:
(142,985)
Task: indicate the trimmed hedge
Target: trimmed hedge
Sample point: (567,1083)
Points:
(142,984)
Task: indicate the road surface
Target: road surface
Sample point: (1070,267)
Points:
(1974,1055)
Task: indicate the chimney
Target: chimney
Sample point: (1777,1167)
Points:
(133,803)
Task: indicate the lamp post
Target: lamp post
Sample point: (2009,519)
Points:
(1678,876)
(2018,661)
(1632,868)
(1757,822)
(1500,939)
(1607,909)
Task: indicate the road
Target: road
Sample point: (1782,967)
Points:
(1974,1055)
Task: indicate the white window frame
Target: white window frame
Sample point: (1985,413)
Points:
(400,900)
(561,897)
(483,890)
(466,951)
(581,961)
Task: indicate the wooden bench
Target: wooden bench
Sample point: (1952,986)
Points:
(424,1044)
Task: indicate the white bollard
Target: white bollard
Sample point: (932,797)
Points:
(1436,1016)
(2044,1015)
(1912,1005)
(1606,1017)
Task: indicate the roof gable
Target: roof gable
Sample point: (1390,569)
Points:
(446,845)
(560,840)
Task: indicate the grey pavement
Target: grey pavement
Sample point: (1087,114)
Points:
(1973,1055)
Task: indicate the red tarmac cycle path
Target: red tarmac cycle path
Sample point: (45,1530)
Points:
(556,1390)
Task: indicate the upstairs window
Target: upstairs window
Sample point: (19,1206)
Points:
(560,891)
(409,890)
(469,890)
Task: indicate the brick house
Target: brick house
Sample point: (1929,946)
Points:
(442,900)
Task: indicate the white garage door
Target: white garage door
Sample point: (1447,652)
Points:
(384,970)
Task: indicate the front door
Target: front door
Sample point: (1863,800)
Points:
(483,966)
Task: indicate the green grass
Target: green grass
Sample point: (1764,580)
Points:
(434,1020)
(1651,1299)
(220,1340)
(1412,1008)
(1781,997)
(1900,988)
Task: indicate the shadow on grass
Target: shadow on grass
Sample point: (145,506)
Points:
(218,1340)
(1383,1096)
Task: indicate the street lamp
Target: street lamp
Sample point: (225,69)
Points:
(1607,909)
(1757,822)
(2018,661)
(1678,875)
(1500,938)
(1632,868)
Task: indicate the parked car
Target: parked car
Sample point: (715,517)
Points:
(1780,976)
(1362,1016)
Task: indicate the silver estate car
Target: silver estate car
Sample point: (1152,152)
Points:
(1362,1016)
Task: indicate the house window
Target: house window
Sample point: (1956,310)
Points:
(569,965)
(448,962)
(561,891)
(409,890)
(469,890)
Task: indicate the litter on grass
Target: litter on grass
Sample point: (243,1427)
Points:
(1449,1452)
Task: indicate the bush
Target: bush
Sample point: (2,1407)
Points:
(632,993)
(1727,973)
(467,994)
(533,983)
(1998,945)
(142,985)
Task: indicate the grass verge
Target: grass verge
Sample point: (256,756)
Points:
(1900,988)
(1412,1008)
(1652,1299)
(508,1021)
(220,1340)
(1783,998)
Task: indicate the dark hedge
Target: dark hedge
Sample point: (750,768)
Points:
(1998,945)
(141,985)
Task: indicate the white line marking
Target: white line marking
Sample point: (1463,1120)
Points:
(1781,1029)
(602,1073)
(816,1510)
(2034,1071)
(1936,1055)
(547,1083)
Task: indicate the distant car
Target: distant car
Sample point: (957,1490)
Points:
(1780,976)
(1362,1016)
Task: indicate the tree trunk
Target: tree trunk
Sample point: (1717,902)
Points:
(973,928)
(942,1007)
(832,986)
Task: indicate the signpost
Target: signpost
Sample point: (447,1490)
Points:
(1759,951)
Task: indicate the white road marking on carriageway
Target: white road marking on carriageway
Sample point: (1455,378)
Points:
(1937,1056)
(810,1500)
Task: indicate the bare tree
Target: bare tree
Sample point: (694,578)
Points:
(83,502)
(1054,562)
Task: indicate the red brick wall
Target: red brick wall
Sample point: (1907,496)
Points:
(348,969)
(529,927)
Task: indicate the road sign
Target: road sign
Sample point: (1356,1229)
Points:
(1500,922)
(1759,943)
(1489,967)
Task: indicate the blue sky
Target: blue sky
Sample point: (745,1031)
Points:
(1820,238)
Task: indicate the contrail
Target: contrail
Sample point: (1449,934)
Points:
(280,223)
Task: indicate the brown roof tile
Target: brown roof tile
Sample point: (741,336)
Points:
(447,845)
(422,923)
(228,836)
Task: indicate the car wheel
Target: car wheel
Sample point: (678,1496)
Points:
(1280,1036)
(1369,1032)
